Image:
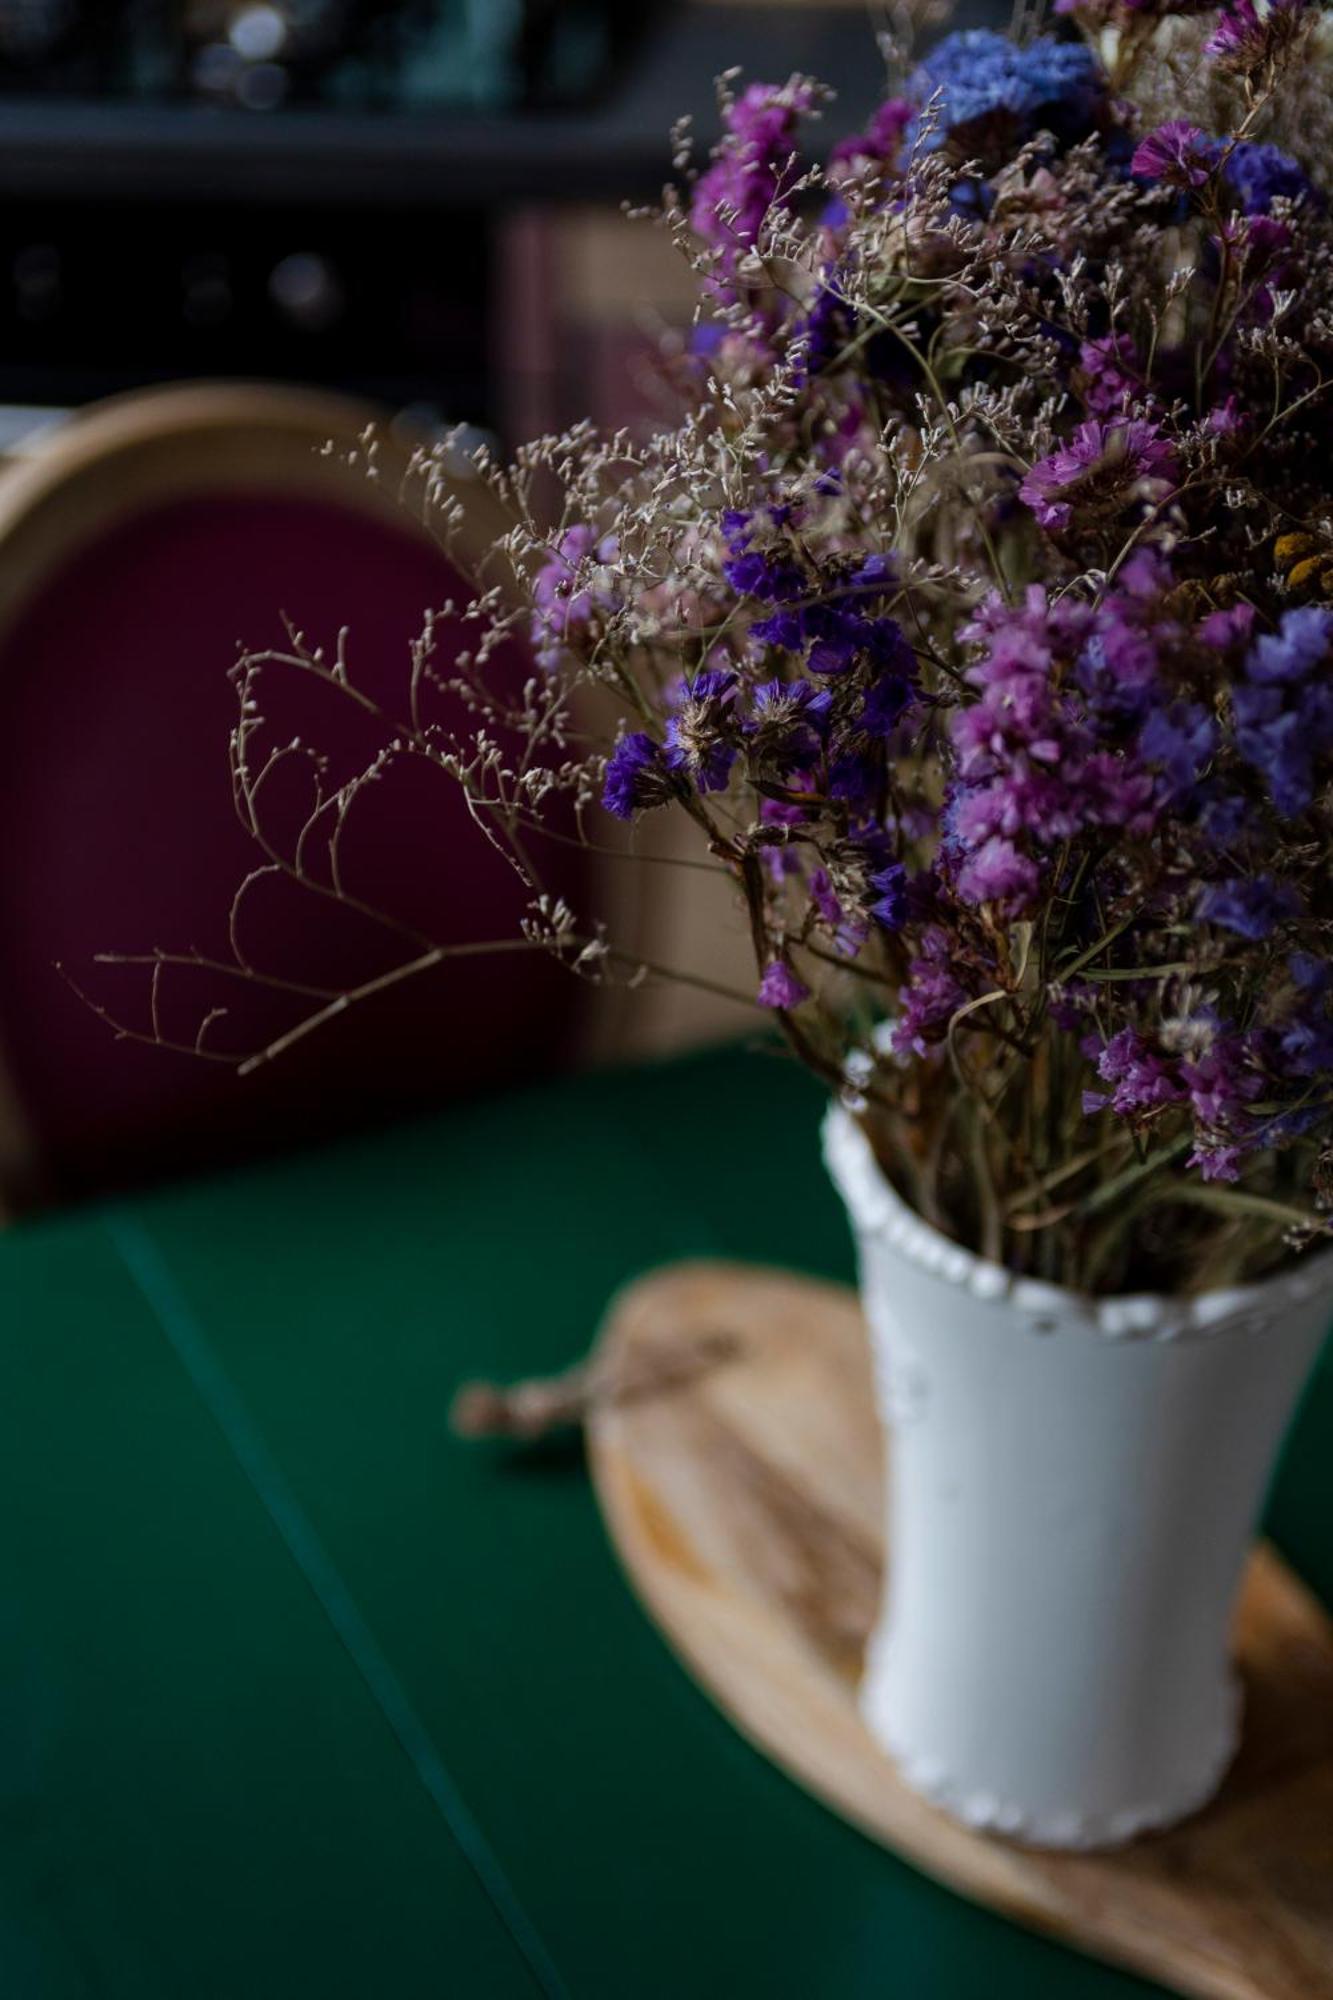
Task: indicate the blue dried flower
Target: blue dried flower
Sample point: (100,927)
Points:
(1259,174)
(1250,906)
(1180,739)
(636,776)
(1284,708)
(1300,644)
(1048,85)
(890,906)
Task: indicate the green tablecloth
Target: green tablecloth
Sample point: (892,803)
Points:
(302,1698)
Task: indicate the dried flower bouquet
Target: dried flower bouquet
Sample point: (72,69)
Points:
(978,609)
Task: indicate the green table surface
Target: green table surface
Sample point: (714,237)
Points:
(301,1697)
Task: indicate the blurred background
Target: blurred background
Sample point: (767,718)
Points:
(406,199)
(251,225)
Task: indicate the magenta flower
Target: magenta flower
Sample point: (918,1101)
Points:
(781,988)
(560,607)
(932,995)
(1103,466)
(999,873)
(563,600)
(1109,367)
(881,138)
(1226,418)
(1225,629)
(1238,33)
(1248,35)
(1141,1080)
(1177,153)
(750,168)
(1216,1161)
(1223,1082)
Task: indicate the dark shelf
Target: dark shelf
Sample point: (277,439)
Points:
(99,151)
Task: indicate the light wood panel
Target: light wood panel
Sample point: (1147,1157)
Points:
(745,1503)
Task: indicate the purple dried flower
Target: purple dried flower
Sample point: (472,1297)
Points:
(887,699)
(837,639)
(636,776)
(1177,153)
(1217,1160)
(752,169)
(1273,740)
(1227,419)
(562,607)
(1119,793)
(882,137)
(1238,31)
(889,908)
(702,737)
(824,898)
(1252,33)
(932,995)
(1226,629)
(785,731)
(1036,765)
(848,934)
(781,988)
(1119,667)
(835,634)
(878,571)
(1110,371)
(770,576)
(1070,800)
(1141,1080)
(1224,1080)
(998,873)
(1102,465)
(856,776)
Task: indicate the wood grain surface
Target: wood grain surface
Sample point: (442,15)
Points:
(745,1501)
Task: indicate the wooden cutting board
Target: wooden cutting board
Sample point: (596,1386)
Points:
(743,1495)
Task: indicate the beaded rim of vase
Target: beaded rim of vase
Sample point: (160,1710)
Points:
(879,1210)
(1069,1830)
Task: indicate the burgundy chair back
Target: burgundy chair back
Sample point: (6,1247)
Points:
(117,825)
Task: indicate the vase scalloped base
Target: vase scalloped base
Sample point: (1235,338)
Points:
(1057,1827)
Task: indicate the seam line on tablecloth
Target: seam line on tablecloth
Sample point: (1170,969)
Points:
(195,1353)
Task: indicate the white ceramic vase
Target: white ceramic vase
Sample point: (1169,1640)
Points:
(1073,1489)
